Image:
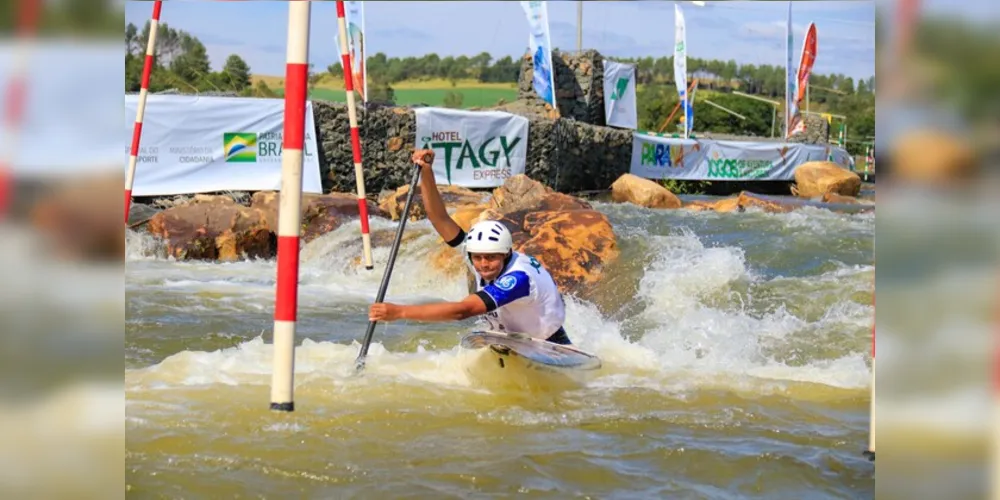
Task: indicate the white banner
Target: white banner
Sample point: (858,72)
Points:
(354,16)
(619,95)
(196,144)
(680,67)
(655,157)
(540,45)
(473,148)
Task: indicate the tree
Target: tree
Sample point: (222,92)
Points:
(847,85)
(336,70)
(192,64)
(131,33)
(133,73)
(238,72)
(381,92)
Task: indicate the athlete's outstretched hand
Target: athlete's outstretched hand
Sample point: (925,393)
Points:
(384,312)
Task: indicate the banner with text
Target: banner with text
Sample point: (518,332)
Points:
(543,78)
(619,95)
(473,148)
(197,144)
(655,157)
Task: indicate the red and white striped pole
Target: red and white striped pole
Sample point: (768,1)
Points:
(289,209)
(359,175)
(147,69)
(15,97)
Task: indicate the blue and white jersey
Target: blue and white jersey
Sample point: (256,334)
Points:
(523,299)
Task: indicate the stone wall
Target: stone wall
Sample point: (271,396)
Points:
(572,153)
(817,131)
(579,80)
(567,155)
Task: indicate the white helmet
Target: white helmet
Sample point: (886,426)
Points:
(489,236)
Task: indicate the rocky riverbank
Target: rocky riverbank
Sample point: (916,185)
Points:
(565,233)
(572,239)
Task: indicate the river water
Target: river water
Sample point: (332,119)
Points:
(735,352)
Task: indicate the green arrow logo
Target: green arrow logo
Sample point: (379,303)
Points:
(619,89)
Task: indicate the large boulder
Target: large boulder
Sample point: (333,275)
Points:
(643,192)
(467,216)
(815,178)
(320,213)
(214,227)
(521,193)
(839,199)
(574,245)
(771,204)
(394,202)
(571,239)
(744,201)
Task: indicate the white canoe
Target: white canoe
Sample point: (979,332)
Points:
(519,361)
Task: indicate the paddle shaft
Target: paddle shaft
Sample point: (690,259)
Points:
(359,364)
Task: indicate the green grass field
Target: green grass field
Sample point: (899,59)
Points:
(429,92)
(471,96)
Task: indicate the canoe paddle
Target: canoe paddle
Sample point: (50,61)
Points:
(359,364)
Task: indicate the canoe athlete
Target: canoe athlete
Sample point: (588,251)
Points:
(514,291)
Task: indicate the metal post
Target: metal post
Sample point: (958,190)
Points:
(579,26)
(774,118)
(727,110)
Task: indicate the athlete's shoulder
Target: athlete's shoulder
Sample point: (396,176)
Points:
(512,278)
(526,261)
(507,288)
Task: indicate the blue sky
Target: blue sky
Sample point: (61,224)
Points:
(749,32)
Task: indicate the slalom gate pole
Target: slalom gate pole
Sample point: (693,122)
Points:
(289,210)
(17,87)
(147,69)
(359,175)
(359,364)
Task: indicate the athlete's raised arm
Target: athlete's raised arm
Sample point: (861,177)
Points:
(442,222)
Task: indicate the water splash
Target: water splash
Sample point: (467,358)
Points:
(705,312)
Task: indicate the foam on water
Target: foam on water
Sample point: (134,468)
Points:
(143,246)
(818,221)
(696,326)
(327,272)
